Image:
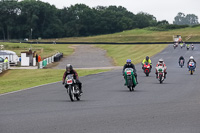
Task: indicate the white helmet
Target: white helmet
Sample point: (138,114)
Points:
(191,58)
(161,60)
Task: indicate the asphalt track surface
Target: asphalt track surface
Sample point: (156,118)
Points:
(108,107)
(86,56)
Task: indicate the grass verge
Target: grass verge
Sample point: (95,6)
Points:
(120,53)
(138,35)
(45,50)
(14,80)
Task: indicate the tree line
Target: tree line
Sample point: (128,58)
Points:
(189,19)
(36,19)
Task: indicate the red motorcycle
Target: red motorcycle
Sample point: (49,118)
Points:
(147,68)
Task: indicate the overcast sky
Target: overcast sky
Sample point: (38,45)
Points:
(161,9)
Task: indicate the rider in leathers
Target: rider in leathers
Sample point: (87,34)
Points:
(70,70)
(161,63)
(130,65)
(147,60)
(191,60)
(181,58)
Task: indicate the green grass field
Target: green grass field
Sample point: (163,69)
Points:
(138,35)
(42,49)
(120,53)
(14,80)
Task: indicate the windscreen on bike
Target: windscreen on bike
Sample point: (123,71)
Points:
(160,68)
(129,69)
(191,64)
(70,76)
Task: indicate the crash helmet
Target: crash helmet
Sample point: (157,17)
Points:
(191,58)
(69,67)
(128,61)
(147,58)
(161,61)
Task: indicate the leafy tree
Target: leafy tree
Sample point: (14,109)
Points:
(182,19)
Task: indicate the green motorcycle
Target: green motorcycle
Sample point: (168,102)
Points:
(130,78)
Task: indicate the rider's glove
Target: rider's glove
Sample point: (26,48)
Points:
(63,83)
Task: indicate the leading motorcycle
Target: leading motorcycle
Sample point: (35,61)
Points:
(130,78)
(72,88)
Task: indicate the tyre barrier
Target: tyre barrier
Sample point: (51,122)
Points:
(4,66)
(58,57)
(49,60)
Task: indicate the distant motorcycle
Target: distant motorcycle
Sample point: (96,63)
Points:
(130,78)
(72,88)
(181,64)
(175,45)
(188,47)
(191,67)
(161,74)
(147,68)
(192,47)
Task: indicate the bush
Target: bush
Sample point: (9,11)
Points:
(166,27)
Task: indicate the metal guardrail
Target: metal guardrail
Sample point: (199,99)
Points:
(46,61)
(4,66)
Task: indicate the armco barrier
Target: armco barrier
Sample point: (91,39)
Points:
(50,60)
(4,66)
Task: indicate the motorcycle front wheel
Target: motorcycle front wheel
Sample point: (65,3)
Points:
(160,79)
(71,95)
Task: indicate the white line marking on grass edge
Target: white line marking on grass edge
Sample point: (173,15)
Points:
(27,88)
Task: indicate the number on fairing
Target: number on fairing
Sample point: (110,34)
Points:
(191,64)
(69,81)
(128,72)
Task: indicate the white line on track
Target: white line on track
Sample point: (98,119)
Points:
(27,88)
(38,86)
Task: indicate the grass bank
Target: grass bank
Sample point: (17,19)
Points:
(14,80)
(43,49)
(120,53)
(138,35)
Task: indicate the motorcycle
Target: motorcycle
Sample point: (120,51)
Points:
(130,78)
(147,68)
(192,47)
(181,64)
(191,67)
(72,88)
(175,45)
(161,74)
(188,47)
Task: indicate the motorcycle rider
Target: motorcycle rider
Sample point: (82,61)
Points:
(181,44)
(191,60)
(161,63)
(181,58)
(70,70)
(192,46)
(130,65)
(147,60)
(187,45)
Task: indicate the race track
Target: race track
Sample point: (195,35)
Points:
(108,107)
